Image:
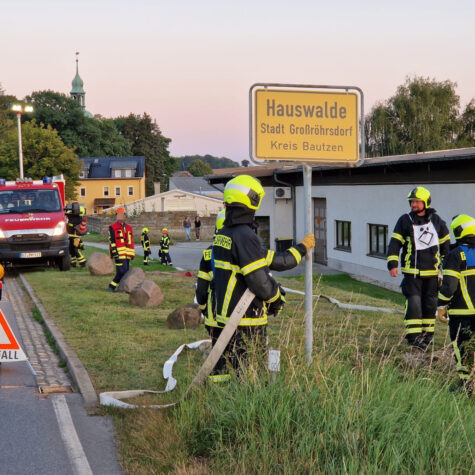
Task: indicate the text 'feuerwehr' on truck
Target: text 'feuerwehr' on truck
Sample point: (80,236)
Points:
(32,223)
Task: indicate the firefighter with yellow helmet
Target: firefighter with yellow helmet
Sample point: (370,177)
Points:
(424,239)
(240,262)
(145,241)
(76,227)
(457,297)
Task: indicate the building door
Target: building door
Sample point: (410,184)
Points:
(320,226)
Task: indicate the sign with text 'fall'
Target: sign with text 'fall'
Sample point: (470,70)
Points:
(305,125)
(10,349)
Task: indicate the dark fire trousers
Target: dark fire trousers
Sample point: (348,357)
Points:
(421,306)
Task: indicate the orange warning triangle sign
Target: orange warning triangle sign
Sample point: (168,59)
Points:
(10,349)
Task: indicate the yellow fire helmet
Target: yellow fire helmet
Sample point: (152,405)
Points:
(220,219)
(244,190)
(2,271)
(145,230)
(165,231)
(463,225)
(421,194)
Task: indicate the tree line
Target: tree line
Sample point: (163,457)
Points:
(58,132)
(423,115)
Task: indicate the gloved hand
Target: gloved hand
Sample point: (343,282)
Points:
(117,260)
(275,307)
(442,314)
(76,242)
(440,278)
(308,241)
(204,310)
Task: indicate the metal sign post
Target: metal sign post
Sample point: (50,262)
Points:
(313,125)
(307,187)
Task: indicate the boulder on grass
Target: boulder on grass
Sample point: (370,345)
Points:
(131,280)
(100,264)
(186,316)
(147,294)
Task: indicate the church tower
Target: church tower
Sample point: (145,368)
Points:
(77,92)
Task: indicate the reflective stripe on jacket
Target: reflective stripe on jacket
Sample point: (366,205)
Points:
(145,242)
(121,241)
(458,285)
(240,262)
(205,289)
(422,263)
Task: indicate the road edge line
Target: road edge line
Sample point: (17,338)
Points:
(76,369)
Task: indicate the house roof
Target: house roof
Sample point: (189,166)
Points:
(195,184)
(101,167)
(455,165)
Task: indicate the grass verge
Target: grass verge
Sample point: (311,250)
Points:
(363,405)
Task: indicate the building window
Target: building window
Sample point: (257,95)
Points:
(84,172)
(95,210)
(117,191)
(82,191)
(117,174)
(378,240)
(130,190)
(343,235)
(128,173)
(106,191)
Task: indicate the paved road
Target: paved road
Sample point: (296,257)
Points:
(46,434)
(187,255)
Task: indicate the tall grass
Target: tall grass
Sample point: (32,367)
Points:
(352,410)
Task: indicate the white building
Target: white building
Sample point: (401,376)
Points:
(355,209)
(174,200)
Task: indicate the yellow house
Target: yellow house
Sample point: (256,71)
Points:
(105,182)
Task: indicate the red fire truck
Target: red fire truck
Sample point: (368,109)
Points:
(32,223)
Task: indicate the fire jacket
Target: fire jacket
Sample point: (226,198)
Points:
(121,241)
(414,234)
(458,286)
(240,262)
(205,289)
(164,244)
(76,225)
(145,242)
(205,293)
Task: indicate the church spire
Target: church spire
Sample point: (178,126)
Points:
(77,92)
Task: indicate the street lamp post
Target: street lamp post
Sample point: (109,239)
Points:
(18,109)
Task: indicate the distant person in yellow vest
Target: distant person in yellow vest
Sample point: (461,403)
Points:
(145,241)
(164,252)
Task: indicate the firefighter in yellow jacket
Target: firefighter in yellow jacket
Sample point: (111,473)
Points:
(121,247)
(240,262)
(145,241)
(205,296)
(424,239)
(457,297)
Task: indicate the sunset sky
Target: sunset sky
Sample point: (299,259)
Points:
(190,64)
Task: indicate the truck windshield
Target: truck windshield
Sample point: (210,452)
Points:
(29,201)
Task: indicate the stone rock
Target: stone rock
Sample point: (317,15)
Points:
(100,264)
(186,316)
(147,294)
(131,280)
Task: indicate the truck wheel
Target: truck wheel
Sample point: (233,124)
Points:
(64,263)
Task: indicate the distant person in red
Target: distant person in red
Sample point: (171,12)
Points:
(121,247)
(197,227)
